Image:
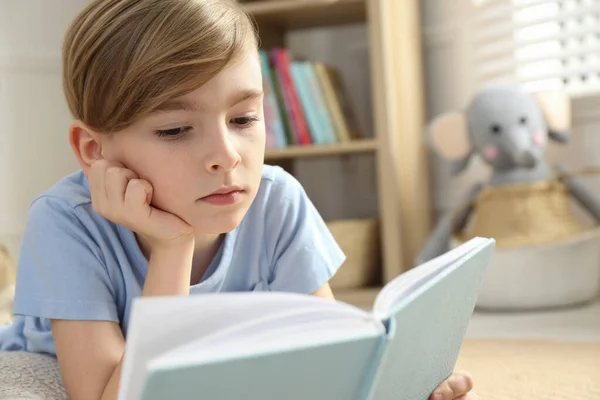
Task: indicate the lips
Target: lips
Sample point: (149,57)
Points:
(226,190)
(224,196)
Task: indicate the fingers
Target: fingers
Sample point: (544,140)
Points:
(150,220)
(119,195)
(443,392)
(455,387)
(461,383)
(108,182)
(137,198)
(116,180)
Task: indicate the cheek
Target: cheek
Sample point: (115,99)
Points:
(252,145)
(490,153)
(540,138)
(162,171)
(163,165)
(171,187)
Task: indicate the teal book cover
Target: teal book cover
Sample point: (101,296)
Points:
(308,103)
(268,345)
(329,134)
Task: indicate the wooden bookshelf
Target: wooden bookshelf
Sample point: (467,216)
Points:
(300,14)
(396,77)
(355,146)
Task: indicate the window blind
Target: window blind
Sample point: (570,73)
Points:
(542,44)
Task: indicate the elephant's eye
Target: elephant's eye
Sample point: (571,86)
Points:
(523,120)
(496,129)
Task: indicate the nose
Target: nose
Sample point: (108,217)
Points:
(222,156)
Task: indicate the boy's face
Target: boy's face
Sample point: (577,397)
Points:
(210,139)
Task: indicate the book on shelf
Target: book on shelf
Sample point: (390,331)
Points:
(305,102)
(270,345)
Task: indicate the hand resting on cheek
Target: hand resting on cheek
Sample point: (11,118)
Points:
(119,195)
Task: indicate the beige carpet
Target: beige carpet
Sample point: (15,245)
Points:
(532,370)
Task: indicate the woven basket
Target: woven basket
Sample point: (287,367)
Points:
(359,240)
(548,245)
(524,215)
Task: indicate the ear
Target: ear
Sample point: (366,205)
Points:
(556,109)
(449,137)
(86,145)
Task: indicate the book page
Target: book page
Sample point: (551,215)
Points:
(306,327)
(403,285)
(159,324)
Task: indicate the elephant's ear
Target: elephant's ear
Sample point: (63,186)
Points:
(556,108)
(448,136)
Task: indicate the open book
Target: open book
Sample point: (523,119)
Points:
(288,346)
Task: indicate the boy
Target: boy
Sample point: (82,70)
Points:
(172,197)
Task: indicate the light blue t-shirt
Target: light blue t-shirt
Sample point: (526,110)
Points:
(75,264)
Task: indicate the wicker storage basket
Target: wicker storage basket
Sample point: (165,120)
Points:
(524,215)
(546,256)
(359,239)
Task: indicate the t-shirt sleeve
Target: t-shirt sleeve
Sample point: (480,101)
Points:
(304,252)
(61,273)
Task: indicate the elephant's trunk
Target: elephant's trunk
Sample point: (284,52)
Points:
(520,149)
(526,159)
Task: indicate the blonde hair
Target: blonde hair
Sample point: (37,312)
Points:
(124,58)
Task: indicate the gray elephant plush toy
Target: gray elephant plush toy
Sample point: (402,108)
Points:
(509,129)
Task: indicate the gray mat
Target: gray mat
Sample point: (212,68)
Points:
(29,376)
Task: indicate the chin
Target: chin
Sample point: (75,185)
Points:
(220,224)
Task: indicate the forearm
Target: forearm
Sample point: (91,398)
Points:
(111,391)
(169,271)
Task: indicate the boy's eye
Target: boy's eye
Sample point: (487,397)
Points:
(244,121)
(174,132)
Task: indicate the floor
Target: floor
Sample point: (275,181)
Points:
(577,324)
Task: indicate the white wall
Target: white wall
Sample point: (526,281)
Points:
(447,59)
(34,120)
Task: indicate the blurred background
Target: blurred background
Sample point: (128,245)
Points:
(353,84)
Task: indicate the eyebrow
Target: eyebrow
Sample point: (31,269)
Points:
(244,95)
(176,105)
(189,106)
